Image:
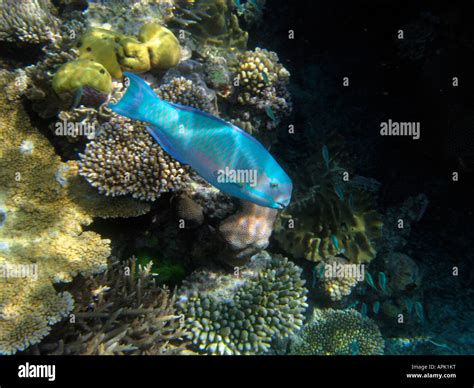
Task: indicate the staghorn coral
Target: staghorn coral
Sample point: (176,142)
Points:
(211,22)
(30,21)
(338,332)
(246,233)
(243,313)
(121,311)
(125,160)
(43,218)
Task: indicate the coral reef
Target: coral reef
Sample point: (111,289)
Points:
(182,91)
(338,332)
(330,218)
(335,287)
(121,311)
(244,312)
(42,228)
(125,160)
(81,73)
(246,233)
(212,22)
(30,21)
(163,47)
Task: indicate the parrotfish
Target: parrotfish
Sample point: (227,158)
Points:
(223,154)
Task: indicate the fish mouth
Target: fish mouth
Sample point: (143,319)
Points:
(281,205)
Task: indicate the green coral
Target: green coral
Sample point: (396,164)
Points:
(244,312)
(338,332)
(76,74)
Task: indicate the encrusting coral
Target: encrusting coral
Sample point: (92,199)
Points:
(121,311)
(30,21)
(338,332)
(244,312)
(43,215)
(125,160)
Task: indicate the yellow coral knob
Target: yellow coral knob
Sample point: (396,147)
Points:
(133,55)
(101,46)
(82,72)
(163,47)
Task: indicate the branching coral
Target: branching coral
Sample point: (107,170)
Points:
(30,21)
(125,160)
(42,229)
(121,311)
(185,92)
(212,22)
(243,313)
(338,332)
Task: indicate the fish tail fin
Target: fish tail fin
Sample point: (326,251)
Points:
(138,101)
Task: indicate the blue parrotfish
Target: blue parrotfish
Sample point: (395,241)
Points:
(224,155)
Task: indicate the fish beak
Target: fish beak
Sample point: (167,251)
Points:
(280,205)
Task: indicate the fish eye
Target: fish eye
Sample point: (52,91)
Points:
(273,185)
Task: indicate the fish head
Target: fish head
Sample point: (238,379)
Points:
(273,190)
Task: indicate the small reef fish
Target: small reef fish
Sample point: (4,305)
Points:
(326,156)
(355,348)
(340,192)
(363,310)
(265,77)
(370,280)
(335,242)
(382,281)
(222,153)
(376,307)
(409,305)
(270,113)
(419,312)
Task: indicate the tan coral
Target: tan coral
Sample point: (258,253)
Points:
(41,230)
(247,232)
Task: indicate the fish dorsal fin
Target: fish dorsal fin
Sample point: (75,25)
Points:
(163,141)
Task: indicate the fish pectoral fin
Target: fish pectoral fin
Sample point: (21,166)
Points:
(157,134)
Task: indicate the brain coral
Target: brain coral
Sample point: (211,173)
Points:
(338,332)
(43,214)
(125,160)
(244,312)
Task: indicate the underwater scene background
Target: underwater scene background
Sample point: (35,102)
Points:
(110,246)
